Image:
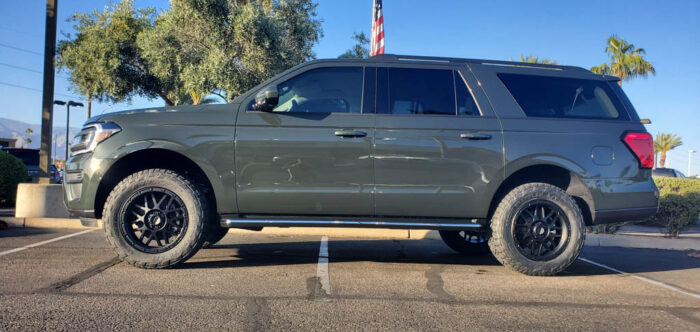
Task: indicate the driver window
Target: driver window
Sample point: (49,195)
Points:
(322,90)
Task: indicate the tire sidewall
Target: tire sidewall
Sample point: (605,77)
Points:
(112,222)
(575,238)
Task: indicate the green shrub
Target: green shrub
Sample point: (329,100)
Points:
(12,172)
(679,205)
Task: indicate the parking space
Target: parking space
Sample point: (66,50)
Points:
(261,281)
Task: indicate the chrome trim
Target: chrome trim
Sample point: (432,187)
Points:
(233,223)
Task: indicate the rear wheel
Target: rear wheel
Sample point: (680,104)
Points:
(156,218)
(466,242)
(537,229)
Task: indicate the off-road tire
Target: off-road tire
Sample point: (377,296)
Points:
(214,235)
(503,244)
(194,199)
(456,242)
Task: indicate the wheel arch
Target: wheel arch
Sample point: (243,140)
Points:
(149,158)
(555,174)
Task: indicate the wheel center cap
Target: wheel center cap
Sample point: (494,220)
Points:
(155,220)
(539,230)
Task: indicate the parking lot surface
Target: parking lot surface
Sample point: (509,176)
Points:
(63,279)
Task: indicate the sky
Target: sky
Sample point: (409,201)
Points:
(569,32)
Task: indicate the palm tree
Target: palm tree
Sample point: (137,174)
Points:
(664,143)
(536,59)
(626,61)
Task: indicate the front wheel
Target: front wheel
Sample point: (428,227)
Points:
(537,229)
(156,218)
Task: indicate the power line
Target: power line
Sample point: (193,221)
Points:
(20,49)
(33,89)
(27,69)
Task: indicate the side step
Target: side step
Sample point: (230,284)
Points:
(257,221)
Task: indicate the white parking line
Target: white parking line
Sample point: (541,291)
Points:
(44,242)
(651,281)
(322,270)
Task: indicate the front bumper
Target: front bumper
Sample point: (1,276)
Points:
(82,177)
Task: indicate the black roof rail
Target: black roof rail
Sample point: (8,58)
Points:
(418,58)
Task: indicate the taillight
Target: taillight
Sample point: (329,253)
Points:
(642,145)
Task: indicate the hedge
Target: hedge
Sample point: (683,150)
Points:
(679,204)
(12,172)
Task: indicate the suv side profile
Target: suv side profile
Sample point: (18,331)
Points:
(512,157)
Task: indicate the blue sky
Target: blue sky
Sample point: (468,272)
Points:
(569,32)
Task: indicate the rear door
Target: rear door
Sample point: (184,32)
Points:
(311,155)
(438,150)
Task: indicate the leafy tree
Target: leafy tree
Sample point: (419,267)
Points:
(27,139)
(361,48)
(198,47)
(664,143)
(626,61)
(536,59)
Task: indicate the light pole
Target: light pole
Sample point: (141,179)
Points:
(690,154)
(68,105)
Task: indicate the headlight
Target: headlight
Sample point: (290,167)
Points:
(91,135)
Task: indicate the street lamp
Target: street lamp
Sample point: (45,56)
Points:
(690,152)
(68,105)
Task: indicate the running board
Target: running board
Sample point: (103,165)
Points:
(402,223)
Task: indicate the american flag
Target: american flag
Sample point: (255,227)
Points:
(377,46)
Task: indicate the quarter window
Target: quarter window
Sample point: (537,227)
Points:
(557,97)
(322,90)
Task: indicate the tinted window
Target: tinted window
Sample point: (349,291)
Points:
(323,90)
(557,97)
(29,157)
(465,101)
(421,91)
(664,172)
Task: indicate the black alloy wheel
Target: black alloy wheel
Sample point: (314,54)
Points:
(153,220)
(541,230)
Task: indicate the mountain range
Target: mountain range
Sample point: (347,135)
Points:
(16,129)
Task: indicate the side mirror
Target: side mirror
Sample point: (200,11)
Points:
(266,99)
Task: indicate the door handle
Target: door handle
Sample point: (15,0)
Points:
(475,136)
(349,133)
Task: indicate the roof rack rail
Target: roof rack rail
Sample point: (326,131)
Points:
(418,58)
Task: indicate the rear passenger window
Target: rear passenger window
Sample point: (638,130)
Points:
(421,91)
(557,97)
(323,90)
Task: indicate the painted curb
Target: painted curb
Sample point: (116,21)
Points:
(70,223)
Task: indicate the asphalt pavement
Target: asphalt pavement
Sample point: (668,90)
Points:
(69,279)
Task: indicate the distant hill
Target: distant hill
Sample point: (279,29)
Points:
(15,129)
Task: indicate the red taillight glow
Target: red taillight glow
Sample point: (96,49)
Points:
(642,145)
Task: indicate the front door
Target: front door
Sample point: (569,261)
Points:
(311,154)
(436,149)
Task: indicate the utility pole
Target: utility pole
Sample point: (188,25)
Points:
(690,154)
(47,98)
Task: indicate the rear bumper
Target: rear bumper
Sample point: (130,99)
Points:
(621,215)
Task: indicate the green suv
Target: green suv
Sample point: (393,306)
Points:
(512,157)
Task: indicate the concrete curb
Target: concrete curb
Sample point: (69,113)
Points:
(641,241)
(592,240)
(71,223)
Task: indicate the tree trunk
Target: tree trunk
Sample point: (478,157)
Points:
(662,160)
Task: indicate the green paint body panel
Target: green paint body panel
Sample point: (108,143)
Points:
(263,163)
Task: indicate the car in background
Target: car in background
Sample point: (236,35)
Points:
(667,173)
(30,158)
(56,174)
